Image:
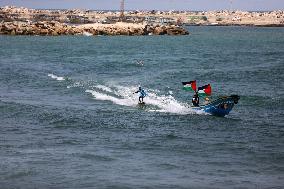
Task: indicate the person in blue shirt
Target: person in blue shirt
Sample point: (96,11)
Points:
(142,94)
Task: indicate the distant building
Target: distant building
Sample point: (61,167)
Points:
(159,20)
(76,19)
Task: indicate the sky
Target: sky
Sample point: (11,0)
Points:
(250,5)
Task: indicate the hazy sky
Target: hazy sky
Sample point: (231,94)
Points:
(150,4)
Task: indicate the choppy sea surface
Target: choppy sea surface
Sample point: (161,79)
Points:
(69,118)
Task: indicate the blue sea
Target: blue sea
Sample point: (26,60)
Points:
(69,118)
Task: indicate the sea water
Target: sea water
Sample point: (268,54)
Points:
(69,118)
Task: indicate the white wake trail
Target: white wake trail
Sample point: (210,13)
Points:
(115,100)
(124,96)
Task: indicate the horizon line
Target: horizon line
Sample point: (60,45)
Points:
(234,10)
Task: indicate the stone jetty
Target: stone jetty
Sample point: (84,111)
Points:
(54,28)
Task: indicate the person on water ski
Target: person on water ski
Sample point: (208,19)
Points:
(142,94)
(195,100)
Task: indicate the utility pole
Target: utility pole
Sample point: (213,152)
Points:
(231,5)
(121,17)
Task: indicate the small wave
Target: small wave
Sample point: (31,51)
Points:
(76,84)
(56,77)
(104,88)
(87,33)
(96,157)
(19,174)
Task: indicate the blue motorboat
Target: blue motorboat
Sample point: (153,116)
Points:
(221,106)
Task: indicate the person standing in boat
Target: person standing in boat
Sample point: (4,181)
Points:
(195,100)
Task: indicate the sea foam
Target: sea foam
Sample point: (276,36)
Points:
(56,77)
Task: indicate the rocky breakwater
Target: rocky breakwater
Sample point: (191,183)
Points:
(54,28)
(121,28)
(165,30)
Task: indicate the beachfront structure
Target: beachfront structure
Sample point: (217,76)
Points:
(159,20)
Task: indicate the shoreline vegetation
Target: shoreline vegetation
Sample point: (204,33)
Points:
(23,21)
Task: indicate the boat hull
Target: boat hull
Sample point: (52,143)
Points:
(221,106)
